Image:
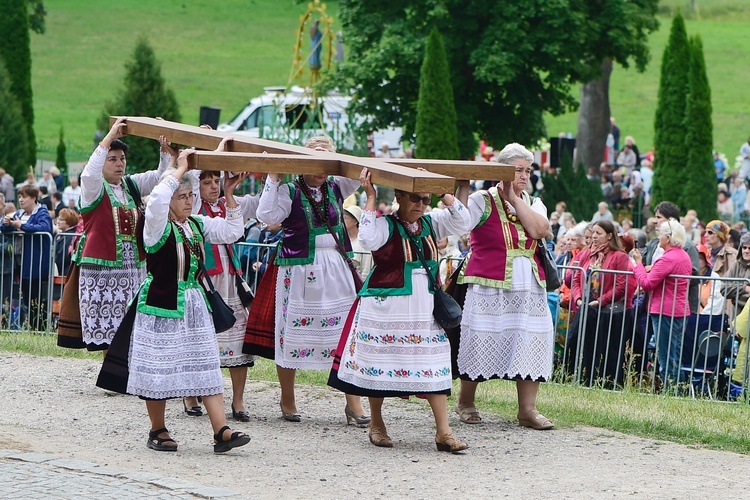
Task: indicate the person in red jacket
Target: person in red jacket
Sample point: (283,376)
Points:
(605,309)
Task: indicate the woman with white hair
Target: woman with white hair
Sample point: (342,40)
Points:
(506,330)
(166,345)
(668,302)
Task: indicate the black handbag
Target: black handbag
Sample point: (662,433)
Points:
(445,309)
(243,290)
(550,268)
(222,314)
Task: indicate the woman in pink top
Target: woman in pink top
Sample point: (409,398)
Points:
(668,304)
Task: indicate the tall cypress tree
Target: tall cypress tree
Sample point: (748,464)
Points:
(16,52)
(437,134)
(61,161)
(13,141)
(700,176)
(145,94)
(572,186)
(669,123)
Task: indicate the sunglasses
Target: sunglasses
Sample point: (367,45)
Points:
(415,198)
(746,248)
(708,231)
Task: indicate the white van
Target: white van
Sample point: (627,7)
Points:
(290,116)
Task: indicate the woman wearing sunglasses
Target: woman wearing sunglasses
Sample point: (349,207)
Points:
(391,345)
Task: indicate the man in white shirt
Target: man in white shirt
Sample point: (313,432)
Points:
(72,192)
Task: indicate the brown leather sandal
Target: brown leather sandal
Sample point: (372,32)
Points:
(450,443)
(468,413)
(536,420)
(379,437)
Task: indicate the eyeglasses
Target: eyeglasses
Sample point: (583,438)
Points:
(415,198)
(708,231)
(746,248)
(184,197)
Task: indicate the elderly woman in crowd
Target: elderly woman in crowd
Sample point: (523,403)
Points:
(34,221)
(608,324)
(111,262)
(166,346)
(722,256)
(315,287)
(391,330)
(506,330)
(223,267)
(668,302)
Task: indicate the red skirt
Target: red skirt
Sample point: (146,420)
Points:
(260,331)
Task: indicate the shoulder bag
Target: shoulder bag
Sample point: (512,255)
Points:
(550,268)
(445,309)
(222,314)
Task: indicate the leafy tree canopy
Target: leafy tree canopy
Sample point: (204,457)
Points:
(510,60)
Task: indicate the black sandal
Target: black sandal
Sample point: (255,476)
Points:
(156,443)
(237,439)
(193,411)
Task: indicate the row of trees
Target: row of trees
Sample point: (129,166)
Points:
(683,169)
(17,139)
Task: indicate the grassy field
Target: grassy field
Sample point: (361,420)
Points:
(221,54)
(715,425)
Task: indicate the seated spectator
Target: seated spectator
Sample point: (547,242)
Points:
(554,224)
(627,157)
(603,213)
(567,222)
(738,197)
(606,187)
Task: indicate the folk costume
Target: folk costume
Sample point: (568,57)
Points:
(314,286)
(391,345)
(506,329)
(167,347)
(223,265)
(111,264)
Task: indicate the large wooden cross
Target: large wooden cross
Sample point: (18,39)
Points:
(247,154)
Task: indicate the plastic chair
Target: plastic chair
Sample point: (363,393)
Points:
(705,363)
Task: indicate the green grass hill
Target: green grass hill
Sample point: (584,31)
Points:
(221,54)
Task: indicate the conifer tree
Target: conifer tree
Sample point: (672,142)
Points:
(145,93)
(572,186)
(669,124)
(13,139)
(61,162)
(437,135)
(699,174)
(16,52)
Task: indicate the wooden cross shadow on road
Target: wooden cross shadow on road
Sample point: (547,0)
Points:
(248,154)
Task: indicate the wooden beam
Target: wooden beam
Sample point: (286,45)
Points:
(393,175)
(460,170)
(266,163)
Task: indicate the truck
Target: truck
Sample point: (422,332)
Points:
(294,115)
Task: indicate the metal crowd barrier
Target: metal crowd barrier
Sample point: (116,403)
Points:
(615,346)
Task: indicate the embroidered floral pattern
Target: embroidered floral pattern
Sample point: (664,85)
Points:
(327,353)
(311,278)
(399,373)
(224,351)
(302,353)
(332,321)
(302,321)
(411,339)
